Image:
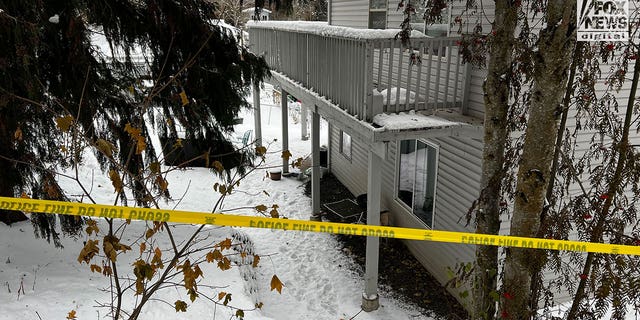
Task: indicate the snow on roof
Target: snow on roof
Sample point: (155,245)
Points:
(323,29)
(411,120)
(254,9)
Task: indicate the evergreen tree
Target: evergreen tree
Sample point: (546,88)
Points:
(170,63)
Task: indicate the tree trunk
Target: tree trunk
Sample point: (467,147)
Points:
(552,60)
(537,282)
(496,98)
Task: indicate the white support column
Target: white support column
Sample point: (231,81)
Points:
(284,103)
(304,112)
(370,299)
(315,165)
(257,119)
(330,128)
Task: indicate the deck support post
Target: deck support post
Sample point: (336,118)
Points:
(370,299)
(257,119)
(315,165)
(284,103)
(304,113)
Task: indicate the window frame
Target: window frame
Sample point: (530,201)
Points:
(378,10)
(396,197)
(342,145)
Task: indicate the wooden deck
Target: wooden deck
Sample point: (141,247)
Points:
(346,68)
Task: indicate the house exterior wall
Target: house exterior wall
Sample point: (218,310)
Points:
(458,181)
(459,164)
(457,187)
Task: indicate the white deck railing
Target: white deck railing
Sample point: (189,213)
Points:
(347,65)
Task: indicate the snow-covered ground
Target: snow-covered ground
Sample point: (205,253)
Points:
(38,281)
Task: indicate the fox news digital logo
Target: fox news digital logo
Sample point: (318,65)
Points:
(600,20)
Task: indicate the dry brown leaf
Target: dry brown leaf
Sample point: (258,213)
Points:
(96,268)
(183,98)
(18,134)
(89,251)
(154,167)
(116,181)
(225,244)
(105,147)
(261,150)
(218,166)
(276,284)
(181,306)
(64,123)
(71,315)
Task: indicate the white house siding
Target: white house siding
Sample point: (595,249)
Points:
(394,16)
(475,103)
(350,13)
(351,172)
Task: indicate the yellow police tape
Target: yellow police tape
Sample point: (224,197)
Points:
(106,211)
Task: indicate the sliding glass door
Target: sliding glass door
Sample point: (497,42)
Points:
(417,175)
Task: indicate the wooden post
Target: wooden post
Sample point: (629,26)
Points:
(304,112)
(256,119)
(370,299)
(315,165)
(284,103)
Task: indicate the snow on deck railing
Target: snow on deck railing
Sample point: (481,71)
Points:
(323,29)
(350,67)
